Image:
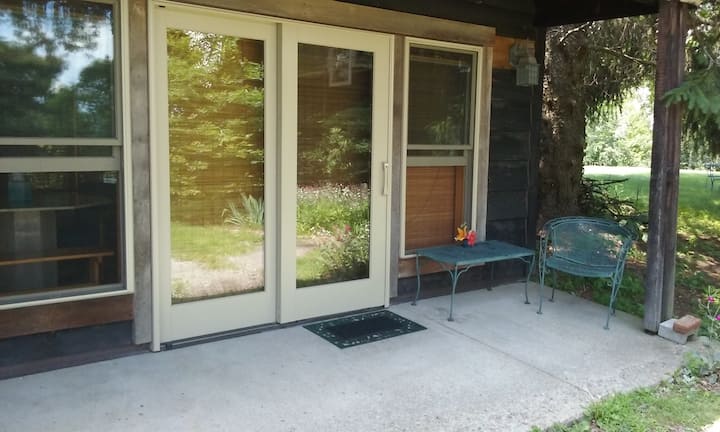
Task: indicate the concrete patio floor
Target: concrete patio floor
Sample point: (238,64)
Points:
(498,367)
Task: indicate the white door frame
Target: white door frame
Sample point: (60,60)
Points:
(244,310)
(297,304)
(281,157)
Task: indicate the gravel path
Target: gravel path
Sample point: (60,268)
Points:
(192,280)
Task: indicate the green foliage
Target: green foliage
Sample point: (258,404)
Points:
(622,138)
(216,115)
(328,208)
(710,312)
(600,199)
(679,404)
(697,247)
(348,257)
(700,93)
(339,218)
(342,154)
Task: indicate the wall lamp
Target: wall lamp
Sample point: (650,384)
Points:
(527,71)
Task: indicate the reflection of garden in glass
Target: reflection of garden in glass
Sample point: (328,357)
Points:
(333,224)
(216,144)
(334,136)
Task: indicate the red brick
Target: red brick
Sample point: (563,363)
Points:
(686,324)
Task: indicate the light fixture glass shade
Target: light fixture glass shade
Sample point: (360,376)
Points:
(527,74)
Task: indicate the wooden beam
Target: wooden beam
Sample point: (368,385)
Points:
(665,167)
(60,316)
(361,17)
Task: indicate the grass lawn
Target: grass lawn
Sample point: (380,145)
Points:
(669,407)
(211,245)
(698,257)
(691,400)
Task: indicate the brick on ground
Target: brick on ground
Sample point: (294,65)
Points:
(687,324)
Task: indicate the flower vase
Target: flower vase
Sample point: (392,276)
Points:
(465,243)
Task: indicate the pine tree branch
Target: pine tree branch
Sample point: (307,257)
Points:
(623,55)
(572,31)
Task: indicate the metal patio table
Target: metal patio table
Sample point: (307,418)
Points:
(456,260)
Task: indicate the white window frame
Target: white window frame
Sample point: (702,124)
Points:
(119,161)
(479,147)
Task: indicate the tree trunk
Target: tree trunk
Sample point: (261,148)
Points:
(562,144)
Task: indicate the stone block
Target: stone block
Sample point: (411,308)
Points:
(666,332)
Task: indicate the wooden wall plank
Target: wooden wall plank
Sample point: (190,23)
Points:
(361,17)
(60,316)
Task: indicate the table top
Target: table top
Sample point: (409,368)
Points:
(482,252)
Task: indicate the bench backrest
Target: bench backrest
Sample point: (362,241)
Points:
(586,241)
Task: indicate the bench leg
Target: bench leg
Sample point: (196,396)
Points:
(531,266)
(543,270)
(613,296)
(552,296)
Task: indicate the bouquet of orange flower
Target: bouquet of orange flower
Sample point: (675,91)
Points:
(465,235)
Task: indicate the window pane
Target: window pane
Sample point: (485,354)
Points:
(440,96)
(333,165)
(58,230)
(57,71)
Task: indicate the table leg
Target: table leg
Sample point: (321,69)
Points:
(417,272)
(492,276)
(454,277)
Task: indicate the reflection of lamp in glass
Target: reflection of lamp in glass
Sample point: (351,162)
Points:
(527,71)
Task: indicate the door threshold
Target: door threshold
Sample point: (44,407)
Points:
(214,337)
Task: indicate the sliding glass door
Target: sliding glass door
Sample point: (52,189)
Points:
(255,227)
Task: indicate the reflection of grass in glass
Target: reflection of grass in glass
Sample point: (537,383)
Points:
(211,245)
(310,269)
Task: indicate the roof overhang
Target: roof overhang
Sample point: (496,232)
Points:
(557,12)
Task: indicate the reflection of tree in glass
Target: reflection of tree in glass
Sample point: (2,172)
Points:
(40,40)
(50,25)
(216,109)
(342,153)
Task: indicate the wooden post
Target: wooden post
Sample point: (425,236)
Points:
(665,168)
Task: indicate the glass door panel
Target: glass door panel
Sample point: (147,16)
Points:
(335,171)
(333,164)
(215,93)
(216,114)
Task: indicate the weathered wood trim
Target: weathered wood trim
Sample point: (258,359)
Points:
(60,316)
(362,18)
(482,154)
(140,137)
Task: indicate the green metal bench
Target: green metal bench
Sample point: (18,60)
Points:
(584,246)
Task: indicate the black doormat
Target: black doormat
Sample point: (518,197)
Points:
(364,328)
